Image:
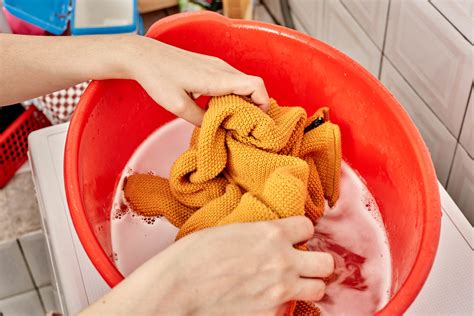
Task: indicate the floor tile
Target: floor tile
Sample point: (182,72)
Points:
(26,304)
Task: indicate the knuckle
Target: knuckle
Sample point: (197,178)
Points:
(307,226)
(274,232)
(217,61)
(319,291)
(279,292)
(327,263)
(282,264)
(279,266)
(283,267)
(206,89)
(180,107)
(258,82)
(314,292)
(224,63)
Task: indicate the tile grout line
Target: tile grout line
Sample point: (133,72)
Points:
(410,85)
(304,27)
(399,72)
(464,120)
(31,275)
(465,113)
(21,293)
(458,143)
(449,21)
(270,13)
(360,25)
(457,138)
(451,166)
(382,54)
(419,96)
(445,185)
(467,151)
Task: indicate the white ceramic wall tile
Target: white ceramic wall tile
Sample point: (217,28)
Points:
(458,12)
(275,9)
(261,14)
(329,21)
(14,276)
(467,137)
(310,14)
(342,31)
(26,304)
(34,248)
(49,299)
(461,183)
(298,25)
(371,15)
(432,56)
(436,136)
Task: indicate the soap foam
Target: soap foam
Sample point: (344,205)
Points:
(136,238)
(352,231)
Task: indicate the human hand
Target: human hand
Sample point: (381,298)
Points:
(171,76)
(238,269)
(174,77)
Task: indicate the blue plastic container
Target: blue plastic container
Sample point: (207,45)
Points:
(84,16)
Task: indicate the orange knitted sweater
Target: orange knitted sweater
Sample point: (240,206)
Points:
(244,165)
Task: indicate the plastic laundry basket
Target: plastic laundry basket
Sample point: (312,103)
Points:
(378,138)
(14,142)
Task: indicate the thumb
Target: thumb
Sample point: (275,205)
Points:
(187,109)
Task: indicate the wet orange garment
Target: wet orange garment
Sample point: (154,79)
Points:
(243,166)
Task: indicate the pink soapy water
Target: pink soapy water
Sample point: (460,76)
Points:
(352,231)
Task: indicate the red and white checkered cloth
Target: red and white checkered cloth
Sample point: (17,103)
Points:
(59,106)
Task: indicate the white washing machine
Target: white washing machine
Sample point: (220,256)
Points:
(449,289)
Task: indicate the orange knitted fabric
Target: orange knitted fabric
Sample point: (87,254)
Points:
(243,166)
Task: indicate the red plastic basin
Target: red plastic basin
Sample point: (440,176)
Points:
(378,138)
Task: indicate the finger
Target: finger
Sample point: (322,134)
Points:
(240,84)
(187,109)
(309,290)
(314,264)
(255,88)
(296,228)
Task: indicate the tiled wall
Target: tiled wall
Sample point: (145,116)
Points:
(422,52)
(25,282)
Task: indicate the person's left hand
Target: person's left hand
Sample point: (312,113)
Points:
(174,77)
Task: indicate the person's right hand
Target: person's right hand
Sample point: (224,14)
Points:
(238,269)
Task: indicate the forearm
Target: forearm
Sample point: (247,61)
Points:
(31,66)
(149,290)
